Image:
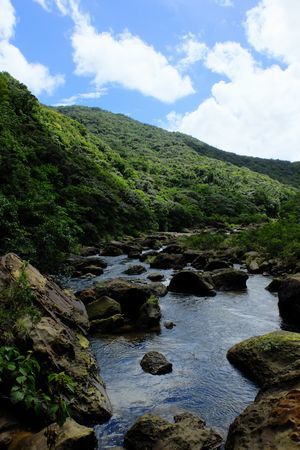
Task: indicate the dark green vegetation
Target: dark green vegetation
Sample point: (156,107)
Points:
(278,238)
(63,182)
(45,396)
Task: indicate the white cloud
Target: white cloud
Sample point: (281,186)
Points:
(273,27)
(255,113)
(44,4)
(36,76)
(122,59)
(225,3)
(7,19)
(84,96)
(193,50)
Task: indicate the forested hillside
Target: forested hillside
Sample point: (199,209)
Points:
(106,124)
(61,185)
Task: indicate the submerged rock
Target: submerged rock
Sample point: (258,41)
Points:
(156,363)
(188,282)
(229,279)
(289,299)
(187,433)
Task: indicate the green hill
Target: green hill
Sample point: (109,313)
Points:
(63,182)
(106,125)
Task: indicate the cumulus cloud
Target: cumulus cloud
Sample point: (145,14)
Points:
(78,97)
(192,49)
(123,59)
(36,76)
(273,27)
(254,109)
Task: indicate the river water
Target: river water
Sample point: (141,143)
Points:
(202,380)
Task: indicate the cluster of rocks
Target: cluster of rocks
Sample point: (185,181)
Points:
(120,304)
(272,421)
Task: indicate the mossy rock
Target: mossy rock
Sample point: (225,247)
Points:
(109,325)
(266,358)
(103,308)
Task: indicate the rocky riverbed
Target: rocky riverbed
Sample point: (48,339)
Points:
(167,326)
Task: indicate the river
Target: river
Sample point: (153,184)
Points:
(202,380)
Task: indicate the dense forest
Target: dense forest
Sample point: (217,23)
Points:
(65,182)
(119,129)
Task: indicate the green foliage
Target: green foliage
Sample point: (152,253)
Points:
(21,376)
(66,182)
(205,241)
(17,301)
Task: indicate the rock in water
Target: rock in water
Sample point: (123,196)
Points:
(156,363)
(187,433)
(156,277)
(135,270)
(103,308)
(289,299)
(229,279)
(263,358)
(188,282)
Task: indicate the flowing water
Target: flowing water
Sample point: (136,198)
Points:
(202,380)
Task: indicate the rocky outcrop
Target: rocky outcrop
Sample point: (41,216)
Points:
(289,299)
(57,338)
(70,436)
(187,433)
(188,282)
(155,363)
(273,420)
(229,279)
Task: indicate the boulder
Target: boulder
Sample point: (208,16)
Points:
(229,279)
(256,263)
(102,308)
(158,289)
(57,338)
(187,433)
(156,276)
(71,436)
(199,262)
(131,296)
(89,251)
(113,249)
(135,270)
(169,324)
(275,285)
(216,264)
(109,325)
(271,422)
(91,269)
(173,249)
(149,314)
(289,299)
(156,363)
(265,358)
(167,261)
(188,282)
(149,256)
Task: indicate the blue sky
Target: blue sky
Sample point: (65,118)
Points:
(225,71)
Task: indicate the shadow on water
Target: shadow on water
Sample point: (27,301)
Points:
(202,380)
